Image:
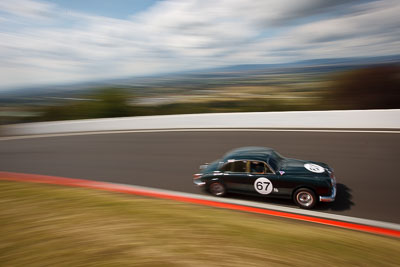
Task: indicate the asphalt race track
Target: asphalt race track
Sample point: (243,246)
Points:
(366,164)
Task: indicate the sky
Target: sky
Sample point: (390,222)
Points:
(71,41)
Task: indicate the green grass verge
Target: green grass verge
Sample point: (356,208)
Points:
(46,225)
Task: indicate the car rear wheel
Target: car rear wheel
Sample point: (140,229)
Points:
(217,189)
(305,198)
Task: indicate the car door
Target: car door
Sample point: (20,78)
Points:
(235,175)
(261,180)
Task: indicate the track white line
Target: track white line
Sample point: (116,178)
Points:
(196,130)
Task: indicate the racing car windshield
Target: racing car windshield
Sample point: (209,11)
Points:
(275,160)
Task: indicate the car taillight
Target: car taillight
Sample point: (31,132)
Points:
(197,175)
(333,179)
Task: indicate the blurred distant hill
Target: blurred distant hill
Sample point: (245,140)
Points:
(320,84)
(317,65)
(327,62)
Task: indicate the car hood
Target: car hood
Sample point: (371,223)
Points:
(304,167)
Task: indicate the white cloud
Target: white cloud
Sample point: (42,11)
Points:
(40,43)
(26,8)
(374,19)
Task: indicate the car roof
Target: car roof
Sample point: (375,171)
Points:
(253,153)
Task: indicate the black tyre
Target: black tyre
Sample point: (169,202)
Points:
(217,189)
(305,198)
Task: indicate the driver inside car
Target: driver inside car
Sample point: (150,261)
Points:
(257,167)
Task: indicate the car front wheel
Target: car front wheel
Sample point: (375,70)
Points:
(217,189)
(305,198)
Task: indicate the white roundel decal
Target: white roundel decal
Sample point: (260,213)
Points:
(263,186)
(314,168)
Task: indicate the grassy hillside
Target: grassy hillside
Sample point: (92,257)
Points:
(45,225)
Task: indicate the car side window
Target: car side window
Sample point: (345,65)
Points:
(259,167)
(234,166)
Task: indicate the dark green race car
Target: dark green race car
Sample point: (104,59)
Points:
(264,172)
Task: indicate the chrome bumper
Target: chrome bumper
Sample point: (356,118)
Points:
(199,183)
(330,198)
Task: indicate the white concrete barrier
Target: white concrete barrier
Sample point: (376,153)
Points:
(348,119)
